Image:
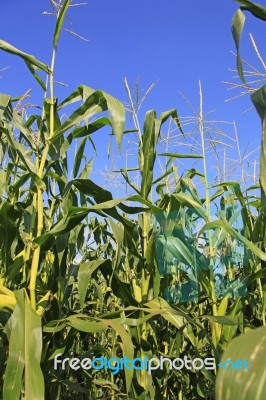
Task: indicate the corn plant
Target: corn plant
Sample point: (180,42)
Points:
(251,345)
(158,273)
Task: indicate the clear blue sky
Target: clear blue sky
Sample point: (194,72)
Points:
(175,42)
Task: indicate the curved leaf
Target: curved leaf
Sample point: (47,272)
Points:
(255,8)
(94,102)
(224,225)
(28,58)
(60,21)
(25,349)
(247,383)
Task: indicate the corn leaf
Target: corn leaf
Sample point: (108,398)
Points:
(25,349)
(259,101)
(28,58)
(255,8)
(244,384)
(59,22)
(4,101)
(84,276)
(95,102)
(228,228)
(78,157)
(237,28)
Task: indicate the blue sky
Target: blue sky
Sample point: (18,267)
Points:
(174,42)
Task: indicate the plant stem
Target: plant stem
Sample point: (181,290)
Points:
(215,329)
(40,218)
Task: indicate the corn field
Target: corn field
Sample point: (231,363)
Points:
(173,269)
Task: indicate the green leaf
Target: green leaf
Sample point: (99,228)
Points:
(245,384)
(2,182)
(36,76)
(237,28)
(101,196)
(19,183)
(106,205)
(221,319)
(8,231)
(151,133)
(179,249)
(76,214)
(170,315)
(47,109)
(256,9)
(176,155)
(147,203)
(259,100)
(60,21)
(230,330)
(117,116)
(121,289)
(4,101)
(28,58)
(85,173)
(24,130)
(84,276)
(85,325)
(127,348)
(25,349)
(124,173)
(78,157)
(188,201)
(224,225)
(167,312)
(65,224)
(81,93)
(94,126)
(26,157)
(118,232)
(7,300)
(94,102)
(104,383)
